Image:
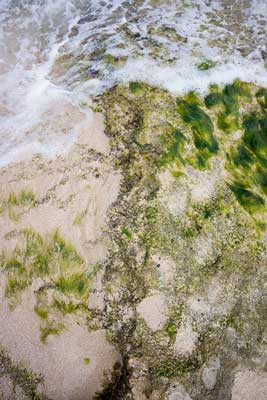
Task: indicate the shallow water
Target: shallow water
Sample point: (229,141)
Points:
(54,55)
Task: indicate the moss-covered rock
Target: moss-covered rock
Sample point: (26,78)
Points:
(193,201)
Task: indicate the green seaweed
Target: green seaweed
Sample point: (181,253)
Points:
(26,197)
(213,99)
(243,157)
(137,87)
(41,264)
(260,178)
(250,201)
(65,307)
(127,232)
(173,145)
(228,122)
(15,284)
(202,129)
(75,283)
(171,330)
(201,124)
(12,199)
(176,367)
(261,97)
(228,119)
(13,264)
(52,328)
(41,312)
(66,250)
(33,243)
(206,64)
(39,257)
(255,137)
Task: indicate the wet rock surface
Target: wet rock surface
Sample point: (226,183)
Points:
(182,233)
(180,296)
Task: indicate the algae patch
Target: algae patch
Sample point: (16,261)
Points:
(62,273)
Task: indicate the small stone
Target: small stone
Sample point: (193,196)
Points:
(165,269)
(209,374)
(154,311)
(177,392)
(185,341)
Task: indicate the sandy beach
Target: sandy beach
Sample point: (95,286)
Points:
(72,194)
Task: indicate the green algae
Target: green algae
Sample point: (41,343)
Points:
(255,135)
(202,129)
(261,97)
(65,307)
(171,330)
(24,198)
(62,270)
(173,145)
(50,258)
(109,59)
(252,202)
(127,232)
(51,328)
(213,99)
(247,164)
(167,31)
(15,204)
(75,283)
(137,88)
(206,64)
(41,312)
(86,361)
(80,216)
(228,98)
(176,367)
(16,284)
(27,197)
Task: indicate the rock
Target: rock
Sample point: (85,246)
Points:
(210,372)
(154,311)
(185,341)
(250,385)
(165,268)
(177,392)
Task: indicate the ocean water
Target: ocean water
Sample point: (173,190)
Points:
(56,55)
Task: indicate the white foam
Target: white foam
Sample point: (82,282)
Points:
(185,76)
(28,99)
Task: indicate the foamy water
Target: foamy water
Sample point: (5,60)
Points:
(54,55)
